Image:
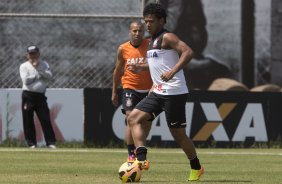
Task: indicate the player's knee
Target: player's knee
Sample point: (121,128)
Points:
(134,118)
(131,119)
(178,134)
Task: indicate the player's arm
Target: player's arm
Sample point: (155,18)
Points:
(171,41)
(117,76)
(144,66)
(136,68)
(45,71)
(26,77)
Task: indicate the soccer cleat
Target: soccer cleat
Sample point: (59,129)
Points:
(141,164)
(131,158)
(195,174)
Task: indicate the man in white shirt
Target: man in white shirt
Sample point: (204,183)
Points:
(35,74)
(167,55)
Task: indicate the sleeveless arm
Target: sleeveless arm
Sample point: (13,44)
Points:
(117,75)
(171,41)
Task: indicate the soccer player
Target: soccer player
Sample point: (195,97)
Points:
(166,56)
(133,73)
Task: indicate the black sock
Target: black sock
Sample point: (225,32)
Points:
(141,153)
(131,149)
(195,163)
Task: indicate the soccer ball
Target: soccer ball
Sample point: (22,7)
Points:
(127,175)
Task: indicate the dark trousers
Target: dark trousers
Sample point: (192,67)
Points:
(36,102)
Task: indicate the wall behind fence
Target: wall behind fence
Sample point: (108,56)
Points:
(79,39)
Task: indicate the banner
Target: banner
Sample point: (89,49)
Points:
(66,112)
(220,118)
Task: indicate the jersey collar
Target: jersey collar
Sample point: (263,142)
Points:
(158,34)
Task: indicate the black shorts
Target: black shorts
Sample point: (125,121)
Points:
(172,105)
(130,98)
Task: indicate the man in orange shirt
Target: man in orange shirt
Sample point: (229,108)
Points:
(133,73)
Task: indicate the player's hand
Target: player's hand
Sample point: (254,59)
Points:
(166,76)
(115,99)
(34,62)
(134,68)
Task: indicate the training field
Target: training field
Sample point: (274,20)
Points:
(85,166)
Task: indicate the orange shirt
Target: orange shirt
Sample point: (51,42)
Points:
(132,55)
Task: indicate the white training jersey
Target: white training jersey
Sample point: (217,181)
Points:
(162,60)
(35,79)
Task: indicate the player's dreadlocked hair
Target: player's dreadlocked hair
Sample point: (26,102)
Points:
(155,9)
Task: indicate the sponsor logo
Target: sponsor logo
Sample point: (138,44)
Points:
(152,54)
(132,61)
(128,95)
(250,123)
(173,123)
(159,87)
(130,169)
(128,102)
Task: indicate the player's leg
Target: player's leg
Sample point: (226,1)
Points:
(43,114)
(139,125)
(188,147)
(176,119)
(140,121)
(139,129)
(185,143)
(130,99)
(129,141)
(28,121)
(127,106)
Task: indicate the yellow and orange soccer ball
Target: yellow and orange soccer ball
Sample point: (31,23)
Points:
(128,175)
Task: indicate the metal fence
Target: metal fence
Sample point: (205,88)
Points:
(78,39)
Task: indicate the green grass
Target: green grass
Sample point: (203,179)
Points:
(85,166)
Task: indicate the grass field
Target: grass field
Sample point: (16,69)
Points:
(86,166)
